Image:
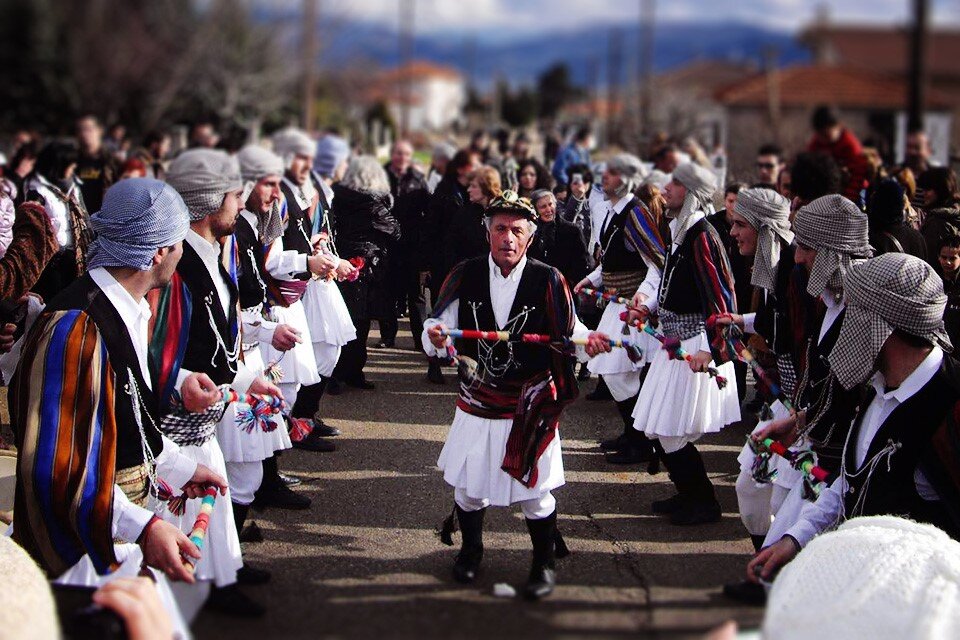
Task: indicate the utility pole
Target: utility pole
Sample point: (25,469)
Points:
(645,68)
(614,61)
(407,9)
(310,53)
(918,65)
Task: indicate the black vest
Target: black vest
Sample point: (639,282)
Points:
(204,352)
(773,314)
(505,362)
(680,274)
(616,256)
(892,489)
(85,295)
(296,235)
(251,278)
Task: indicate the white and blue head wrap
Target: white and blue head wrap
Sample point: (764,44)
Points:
(138,216)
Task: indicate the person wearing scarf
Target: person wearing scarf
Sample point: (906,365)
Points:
(249,444)
(291,262)
(836,227)
(88,523)
(630,259)
(901,454)
(503,447)
(210,184)
(678,402)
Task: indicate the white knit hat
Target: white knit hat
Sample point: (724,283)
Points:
(28,611)
(878,578)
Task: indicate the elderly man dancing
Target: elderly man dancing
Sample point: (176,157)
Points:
(498,451)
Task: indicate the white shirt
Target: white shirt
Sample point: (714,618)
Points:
(503,291)
(818,516)
(285,264)
(834,309)
(130,519)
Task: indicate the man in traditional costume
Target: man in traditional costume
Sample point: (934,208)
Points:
(831,235)
(85,409)
(503,447)
(679,402)
(330,325)
(900,455)
(251,445)
(210,184)
(291,262)
(631,258)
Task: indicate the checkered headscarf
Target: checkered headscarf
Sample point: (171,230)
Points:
(701,183)
(257,163)
(838,230)
(893,291)
(203,177)
(769,213)
(138,216)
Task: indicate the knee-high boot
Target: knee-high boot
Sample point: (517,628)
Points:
(698,502)
(543,574)
(471,548)
(636,447)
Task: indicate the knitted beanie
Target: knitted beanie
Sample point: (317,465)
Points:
(878,577)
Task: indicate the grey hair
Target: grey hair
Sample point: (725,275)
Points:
(444,150)
(364,173)
(541,193)
(488,220)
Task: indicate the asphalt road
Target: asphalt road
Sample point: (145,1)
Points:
(365,561)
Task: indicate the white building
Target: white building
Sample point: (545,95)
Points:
(434,95)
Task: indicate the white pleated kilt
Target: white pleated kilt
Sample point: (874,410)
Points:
(675,401)
(787,476)
(220,556)
(327,314)
(239,446)
(472,456)
(617,360)
(298,364)
(130,558)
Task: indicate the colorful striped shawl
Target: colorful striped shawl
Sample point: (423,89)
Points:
(643,234)
(714,281)
(63,400)
(169,331)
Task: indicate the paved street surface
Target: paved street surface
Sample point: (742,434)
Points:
(365,561)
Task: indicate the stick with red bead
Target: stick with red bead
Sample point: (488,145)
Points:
(275,403)
(202,523)
(609,297)
(672,346)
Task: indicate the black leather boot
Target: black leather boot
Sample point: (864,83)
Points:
(471,549)
(543,574)
(698,504)
(273,492)
(637,448)
(434,373)
(247,574)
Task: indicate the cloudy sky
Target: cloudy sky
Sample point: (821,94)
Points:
(509,17)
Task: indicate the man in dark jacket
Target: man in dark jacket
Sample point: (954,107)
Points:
(558,243)
(889,233)
(408,186)
(96,168)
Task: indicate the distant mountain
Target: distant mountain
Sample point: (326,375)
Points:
(520,59)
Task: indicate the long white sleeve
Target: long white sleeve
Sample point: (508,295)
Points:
(128,518)
(596,277)
(257,328)
(817,517)
(650,287)
(449,318)
(174,467)
(283,264)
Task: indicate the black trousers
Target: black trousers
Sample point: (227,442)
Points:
(353,356)
(406,292)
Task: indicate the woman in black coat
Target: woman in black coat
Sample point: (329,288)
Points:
(558,243)
(889,231)
(365,228)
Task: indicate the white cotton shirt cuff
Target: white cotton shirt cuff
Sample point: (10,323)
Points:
(428,347)
(580,332)
(703,344)
(244,378)
(129,520)
(174,467)
(596,277)
(803,532)
(182,375)
(749,321)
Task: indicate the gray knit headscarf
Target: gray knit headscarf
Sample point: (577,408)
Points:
(631,172)
(839,231)
(257,163)
(893,291)
(203,177)
(291,142)
(701,184)
(769,213)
